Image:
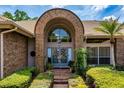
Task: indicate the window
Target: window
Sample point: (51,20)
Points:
(99,55)
(104,55)
(93,55)
(59,34)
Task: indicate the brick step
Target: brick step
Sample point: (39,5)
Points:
(66,72)
(60,77)
(60,81)
(62,68)
(60,86)
(61,73)
(58,74)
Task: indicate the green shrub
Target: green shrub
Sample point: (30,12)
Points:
(49,66)
(76,81)
(105,77)
(19,79)
(81,64)
(119,67)
(71,64)
(43,80)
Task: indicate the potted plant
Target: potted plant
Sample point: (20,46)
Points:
(49,65)
(72,66)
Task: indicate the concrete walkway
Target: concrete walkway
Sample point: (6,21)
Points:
(61,77)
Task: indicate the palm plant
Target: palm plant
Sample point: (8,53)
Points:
(111,27)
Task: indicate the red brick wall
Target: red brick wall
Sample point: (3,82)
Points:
(15,52)
(40,32)
(120,51)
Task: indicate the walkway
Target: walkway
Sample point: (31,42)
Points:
(61,78)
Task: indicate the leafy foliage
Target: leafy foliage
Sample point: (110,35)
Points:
(119,67)
(110,27)
(8,15)
(43,80)
(70,63)
(34,18)
(81,63)
(76,81)
(19,79)
(18,15)
(105,77)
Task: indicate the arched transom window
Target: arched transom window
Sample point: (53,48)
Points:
(59,35)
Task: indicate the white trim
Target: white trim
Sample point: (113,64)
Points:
(111,61)
(2,50)
(98,54)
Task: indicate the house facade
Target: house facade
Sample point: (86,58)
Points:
(53,38)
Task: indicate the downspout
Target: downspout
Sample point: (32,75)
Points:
(2,49)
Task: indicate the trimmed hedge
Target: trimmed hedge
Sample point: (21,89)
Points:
(76,81)
(43,80)
(19,79)
(105,77)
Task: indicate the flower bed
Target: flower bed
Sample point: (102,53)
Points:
(105,77)
(43,80)
(19,79)
(76,81)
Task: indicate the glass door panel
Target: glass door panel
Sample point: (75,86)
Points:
(60,56)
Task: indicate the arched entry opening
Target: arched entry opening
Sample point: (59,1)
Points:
(59,42)
(59,48)
(58,32)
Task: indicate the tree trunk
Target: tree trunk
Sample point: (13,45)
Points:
(112,54)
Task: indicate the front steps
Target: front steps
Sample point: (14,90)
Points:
(61,76)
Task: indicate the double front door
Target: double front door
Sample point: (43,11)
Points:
(60,57)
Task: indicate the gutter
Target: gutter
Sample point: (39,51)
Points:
(2,49)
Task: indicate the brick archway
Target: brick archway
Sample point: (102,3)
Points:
(71,21)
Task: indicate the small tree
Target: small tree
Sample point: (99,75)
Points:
(8,15)
(21,15)
(81,64)
(111,27)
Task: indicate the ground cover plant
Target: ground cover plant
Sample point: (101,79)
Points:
(19,79)
(76,81)
(105,77)
(43,80)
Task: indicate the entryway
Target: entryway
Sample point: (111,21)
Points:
(55,28)
(60,45)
